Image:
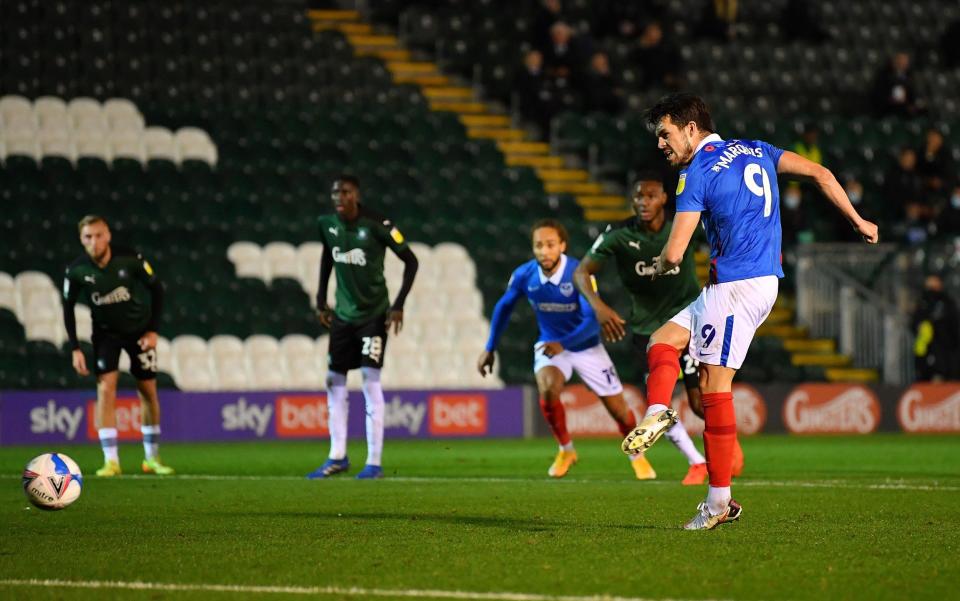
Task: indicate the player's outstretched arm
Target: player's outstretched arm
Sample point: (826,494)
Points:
(684,225)
(611,324)
(795,165)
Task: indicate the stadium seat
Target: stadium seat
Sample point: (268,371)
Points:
(8,292)
(247,259)
(280,261)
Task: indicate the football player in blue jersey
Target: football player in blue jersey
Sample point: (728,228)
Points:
(569,341)
(731,185)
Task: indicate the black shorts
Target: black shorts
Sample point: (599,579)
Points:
(354,345)
(689,367)
(106,353)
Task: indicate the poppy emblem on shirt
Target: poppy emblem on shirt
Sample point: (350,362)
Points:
(566,289)
(709,147)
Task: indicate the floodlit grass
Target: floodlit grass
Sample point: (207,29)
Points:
(824,518)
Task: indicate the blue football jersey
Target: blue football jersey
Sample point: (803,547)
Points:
(563,314)
(733,183)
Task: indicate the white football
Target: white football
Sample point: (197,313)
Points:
(52,481)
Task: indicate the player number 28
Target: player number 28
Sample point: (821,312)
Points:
(762,188)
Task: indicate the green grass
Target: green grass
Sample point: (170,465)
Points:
(824,518)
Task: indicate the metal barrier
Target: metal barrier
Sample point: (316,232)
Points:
(868,328)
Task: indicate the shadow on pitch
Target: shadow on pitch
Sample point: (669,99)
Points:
(532,524)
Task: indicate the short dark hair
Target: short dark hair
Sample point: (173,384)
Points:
(648,175)
(350,179)
(682,108)
(90,220)
(553,223)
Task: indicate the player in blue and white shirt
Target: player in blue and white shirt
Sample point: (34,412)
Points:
(569,341)
(731,186)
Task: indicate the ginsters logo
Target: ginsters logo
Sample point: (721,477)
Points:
(930,408)
(350,257)
(831,409)
(586,415)
(120,294)
(749,405)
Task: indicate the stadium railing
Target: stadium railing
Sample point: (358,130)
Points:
(868,327)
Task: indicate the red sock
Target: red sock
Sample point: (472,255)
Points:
(557,419)
(628,424)
(719,436)
(663,361)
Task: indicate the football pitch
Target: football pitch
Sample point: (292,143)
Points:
(875,517)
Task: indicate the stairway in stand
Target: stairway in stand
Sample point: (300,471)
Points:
(481,119)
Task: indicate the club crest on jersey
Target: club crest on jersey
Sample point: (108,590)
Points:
(362,233)
(122,273)
(566,288)
(681,183)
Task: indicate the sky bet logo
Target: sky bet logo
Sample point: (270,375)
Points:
(302,416)
(458,414)
(241,416)
(51,418)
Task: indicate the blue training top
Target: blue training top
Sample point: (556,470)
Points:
(733,183)
(563,314)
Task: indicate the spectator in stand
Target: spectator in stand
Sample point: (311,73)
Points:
(565,57)
(934,166)
(658,59)
(949,48)
(719,20)
(532,94)
(894,92)
(601,88)
(794,208)
(798,23)
(902,192)
(550,12)
(808,145)
(936,325)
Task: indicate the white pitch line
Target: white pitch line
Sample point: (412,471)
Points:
(312,590)
(885,485)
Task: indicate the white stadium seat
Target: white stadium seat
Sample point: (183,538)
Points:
(259,345)
(247,259)
(158,143)
(280,261)
(50,330)
(225,345)
(85,108)
(12,104)
(93,146)
(8,292)
(60,148)
(27,147)
(267,372)
(164,355)
(450,252)
(123,146)
(196,377)
(121,110)
(134,123)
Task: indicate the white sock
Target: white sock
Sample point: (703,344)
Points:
(337,414)
(679,437)
(108,442)
(151,441)
(717,498)
(655,409)
(373,395)
(567,447)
